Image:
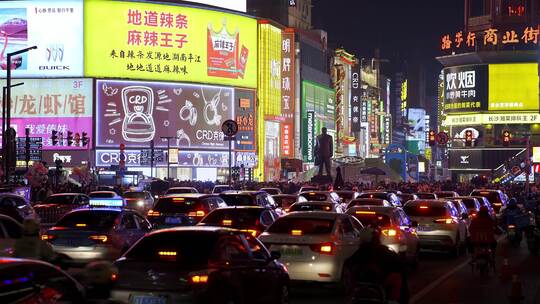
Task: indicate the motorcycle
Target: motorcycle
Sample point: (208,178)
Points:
(364,293)
(483,260)
(514,235)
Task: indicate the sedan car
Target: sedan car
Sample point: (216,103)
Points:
(221,188)
(315,245)
(200,265)
(347,195)
(439,225)
(181,190)
(472,204)
(320,196)
(57,205)
(271,191)
(183,209)
(485,202)
(316,206)
(10,231)
(90,234)
(426,196)
(251,219)
(141,201)
(446,194)
(308,188)
(248,198)
(105,199)
(463,211)
(16,207)
(369,202)
(495,197)
(389,196)
(397,230)
(284,201)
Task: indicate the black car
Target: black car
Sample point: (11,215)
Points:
(248,198)
(200,265)
(183,209)
(252,219)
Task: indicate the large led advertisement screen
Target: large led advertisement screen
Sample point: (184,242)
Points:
(465,88)
(135,113)
(140,40)
(55,27)
(513,87)
(416,136)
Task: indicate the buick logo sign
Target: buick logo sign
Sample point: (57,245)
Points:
(55,52)
(465,159)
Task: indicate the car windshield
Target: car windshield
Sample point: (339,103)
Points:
(371,218)
(311,207)
(284,201)
(305,226)
(102,195)
(312,196)
(89,219)
(134,195)
(60,199)
(235,218)
(177,205)
(427,211)
(192,250)
(238,200)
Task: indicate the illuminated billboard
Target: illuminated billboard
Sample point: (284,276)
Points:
(235,5)
(164,42)
(513,87)
(135,113)
(43,105)
(317,112)
(55,27)
(465,88)
(416,136)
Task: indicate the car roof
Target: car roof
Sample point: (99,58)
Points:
(427,201)
(316,192)
(241,207)
(313,215)
(246,192)
(67,193)
(116,210)
(486,190)
(313,203)
(108,192)
(285,195)
(222,186)
(216,229)
(181,188)
(276,188)
(379,209)
(188,195)
(363,199)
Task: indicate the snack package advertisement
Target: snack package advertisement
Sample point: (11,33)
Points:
(165,42)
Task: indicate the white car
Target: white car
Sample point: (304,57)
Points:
(320,196)
(315,245)
(105,199)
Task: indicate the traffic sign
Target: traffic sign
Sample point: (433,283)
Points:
(229,127)
(442,138)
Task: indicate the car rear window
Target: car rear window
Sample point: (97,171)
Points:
(102,195)
(89,220)
(493,197)
(177,205)
(373,195)
(284,202)
(236,218)
(366,202)
(469,203)
(314,196)
(188,250)
(311,207)
(445,194)
(371,218)
(179,191)
(428,211)
(345,195)
(134,195)
(60,199)
(238,200)
(426,195)
(286,225)
(406,197)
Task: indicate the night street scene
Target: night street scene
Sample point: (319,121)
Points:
(270,151)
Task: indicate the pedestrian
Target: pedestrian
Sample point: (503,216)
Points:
(339,183)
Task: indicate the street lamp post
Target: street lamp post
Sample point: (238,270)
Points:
(7,109)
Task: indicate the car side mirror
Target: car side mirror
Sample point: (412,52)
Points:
(414,224)
(275,255)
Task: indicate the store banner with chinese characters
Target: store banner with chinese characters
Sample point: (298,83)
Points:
(246,115)
(185,159)
(43,105)
(135,113)
(55,27)
(466,88)
(162,42)
(494,119)
(288,85)
(356,93)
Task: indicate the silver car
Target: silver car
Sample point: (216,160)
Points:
(320,196)
(316,206)
(85,235)
(440,225)
(141,201)
(397,230)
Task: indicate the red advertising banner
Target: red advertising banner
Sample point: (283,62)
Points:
(287,92)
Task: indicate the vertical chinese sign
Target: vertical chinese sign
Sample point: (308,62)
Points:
(287,93)
(356,93)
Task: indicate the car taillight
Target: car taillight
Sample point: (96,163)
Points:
(153,213)
(511,226)
(199,279)
(473,214)
(114,277)
(99,238)
(389,232)
(444,221)
(253,232)
(198,213)
(48,237)
(325,248)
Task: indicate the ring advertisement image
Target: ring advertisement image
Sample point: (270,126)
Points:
(55,27)
(135,113)
(165,42)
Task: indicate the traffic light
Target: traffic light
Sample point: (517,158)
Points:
(84,139)
(77,139)
(69,138)
(122,162)
(431,138)
(54,137)
(506,138)
(468,138)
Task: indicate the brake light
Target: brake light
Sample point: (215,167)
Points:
(389,232)
(199,279)
(365,212)
(296,232)
(198,213)
(178,199)
(99,238)
(153,213)
(497,204)
(114,277)
(325,248)
(445,221)
(424,207)
(511,226)
(287,209)
(473,214)
(167,253)
(80,225)
(227,222)
(47,237)
(253,232)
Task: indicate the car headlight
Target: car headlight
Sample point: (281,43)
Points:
(140,203)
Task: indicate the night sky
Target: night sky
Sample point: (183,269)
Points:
(401,29)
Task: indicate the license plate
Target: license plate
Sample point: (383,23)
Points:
(423,228)
(173,220)
(291,251)
(148,300)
